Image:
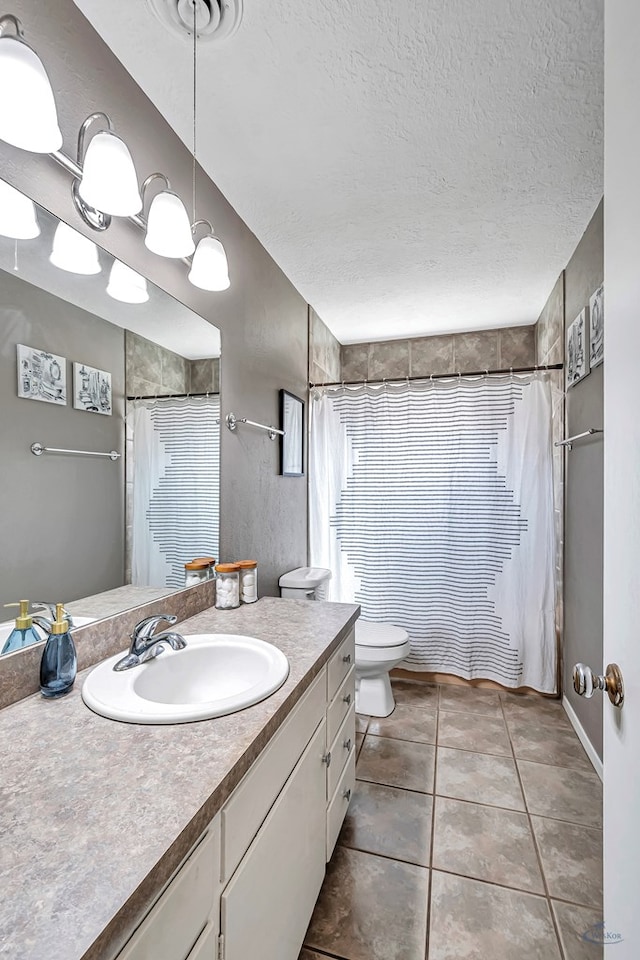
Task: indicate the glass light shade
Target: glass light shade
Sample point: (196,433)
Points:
(17,214)
(109,180)
(28,116)
(73,252)
(168,227)
(127,285)
(209,267)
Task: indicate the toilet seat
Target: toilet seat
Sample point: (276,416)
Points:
(379,635)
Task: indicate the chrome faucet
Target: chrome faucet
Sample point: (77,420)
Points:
(51,608)
(145,644)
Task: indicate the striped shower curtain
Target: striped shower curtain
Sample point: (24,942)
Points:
(432,504)
(176,487)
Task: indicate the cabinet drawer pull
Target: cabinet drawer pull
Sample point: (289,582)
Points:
(347,699)
(327,759)
(347,795)
(347,658)
(347,745)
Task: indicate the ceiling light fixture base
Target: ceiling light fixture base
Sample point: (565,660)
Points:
(216,20)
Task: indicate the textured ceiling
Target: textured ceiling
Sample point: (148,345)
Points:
(416,167)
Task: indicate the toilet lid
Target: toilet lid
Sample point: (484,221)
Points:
(379,634)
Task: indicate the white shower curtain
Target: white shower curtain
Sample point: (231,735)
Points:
(432,504)
(176,487)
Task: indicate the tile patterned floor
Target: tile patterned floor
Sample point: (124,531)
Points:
(474,832)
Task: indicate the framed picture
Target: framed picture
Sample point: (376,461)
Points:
(577,349)
(41,375)
(92,389)
(596,327)
(292,443)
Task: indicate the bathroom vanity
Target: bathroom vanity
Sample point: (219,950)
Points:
(197,841)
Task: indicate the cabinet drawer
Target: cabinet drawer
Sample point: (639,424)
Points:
(340,802)
(266,907)
(340,664)
(340,705)
(172,927)
(252,799)
(341,750)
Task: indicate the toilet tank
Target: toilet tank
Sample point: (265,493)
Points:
(305,583)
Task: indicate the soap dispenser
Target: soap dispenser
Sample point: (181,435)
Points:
(24,633)
(59,663)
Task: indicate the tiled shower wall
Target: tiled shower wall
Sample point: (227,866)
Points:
(457,353)
(324,352)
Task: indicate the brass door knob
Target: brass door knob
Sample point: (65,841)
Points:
(586,682)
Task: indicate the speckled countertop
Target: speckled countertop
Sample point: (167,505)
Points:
(96,815)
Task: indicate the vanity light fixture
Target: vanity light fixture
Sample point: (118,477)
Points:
(104,179)
(28,115)
(168,226)
(126,285)
(109,181)
(209,267)
(73,252)
(18,219)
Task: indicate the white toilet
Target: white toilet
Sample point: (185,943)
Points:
(379,646)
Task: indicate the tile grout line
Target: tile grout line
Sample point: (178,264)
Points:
(433,827)
(536,847)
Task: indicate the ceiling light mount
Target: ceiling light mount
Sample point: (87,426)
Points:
(216,20)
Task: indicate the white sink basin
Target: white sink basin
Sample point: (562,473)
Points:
(215,674)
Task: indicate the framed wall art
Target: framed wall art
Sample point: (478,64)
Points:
(596,327)
(41,375)
(577,349)
(292,443)
(92,389)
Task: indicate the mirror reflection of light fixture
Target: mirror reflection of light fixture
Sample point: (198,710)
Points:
(18,219)
(168,226)
(73,252)
(28,115)
(209,267)
(126,285)
(109,181)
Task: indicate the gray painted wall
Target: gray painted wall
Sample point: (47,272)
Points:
(61,517)
(584,494)
(263,319)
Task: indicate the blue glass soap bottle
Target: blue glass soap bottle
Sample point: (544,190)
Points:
(24,633)
(59,663)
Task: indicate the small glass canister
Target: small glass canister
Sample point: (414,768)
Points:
(227,586)
(211,564)
(196,571)
(248,580)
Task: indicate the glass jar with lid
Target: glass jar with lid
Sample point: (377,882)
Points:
(195,571)
(248,580)
(227,586)
(211,565)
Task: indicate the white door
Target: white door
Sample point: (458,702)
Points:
(622,476)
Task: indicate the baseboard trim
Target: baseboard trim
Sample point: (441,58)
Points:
(583,738)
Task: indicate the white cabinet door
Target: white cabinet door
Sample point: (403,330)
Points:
(266,907)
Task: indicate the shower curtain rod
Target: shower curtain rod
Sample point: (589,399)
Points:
(441,376)
(174,396)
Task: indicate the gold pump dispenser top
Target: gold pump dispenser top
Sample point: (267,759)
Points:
(24,620)
(60,625)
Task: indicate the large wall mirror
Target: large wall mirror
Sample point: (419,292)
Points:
(96,359)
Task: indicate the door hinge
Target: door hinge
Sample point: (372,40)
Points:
(220,947)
